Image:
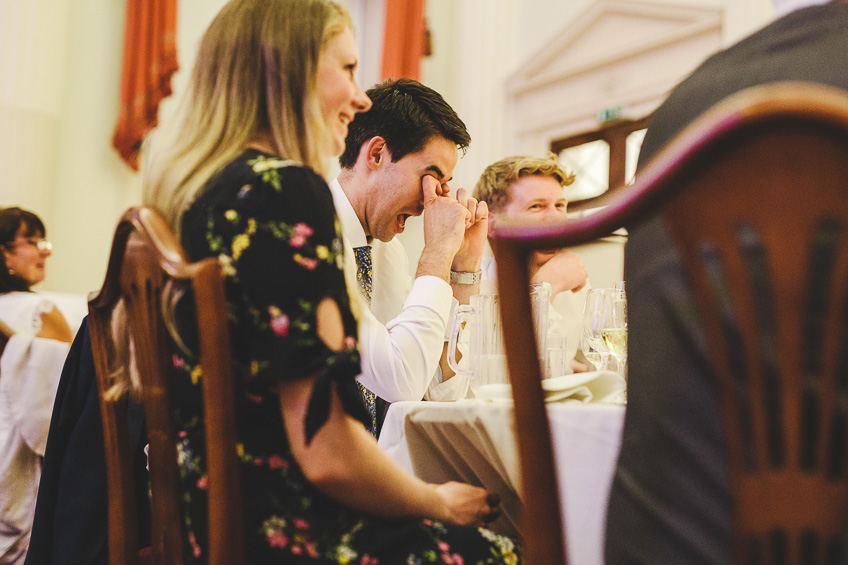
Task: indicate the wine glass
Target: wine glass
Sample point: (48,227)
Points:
(594,320)
(614,327)
(592,355)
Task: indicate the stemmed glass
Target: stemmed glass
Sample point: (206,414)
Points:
(594,320)
(614,329)
(592,355)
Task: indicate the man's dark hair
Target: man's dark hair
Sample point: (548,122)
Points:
(407,115)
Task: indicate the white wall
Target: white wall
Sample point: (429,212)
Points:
(60,66)
(32,79)
(60,75)
(479,43)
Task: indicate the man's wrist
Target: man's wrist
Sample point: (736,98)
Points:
(433,262)
(466,264)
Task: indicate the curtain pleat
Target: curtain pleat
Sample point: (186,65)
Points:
(403,40)
(149,61)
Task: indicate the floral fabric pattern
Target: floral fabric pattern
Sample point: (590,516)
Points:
(272,225)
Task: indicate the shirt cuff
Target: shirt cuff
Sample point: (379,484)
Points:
(433,292)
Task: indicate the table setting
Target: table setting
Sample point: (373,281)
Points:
(473,440)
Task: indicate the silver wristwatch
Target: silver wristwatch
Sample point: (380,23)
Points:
(465,278)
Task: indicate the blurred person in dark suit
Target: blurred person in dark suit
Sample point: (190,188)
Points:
(69,527)
(670,500)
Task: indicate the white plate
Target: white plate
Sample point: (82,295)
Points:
(497,391)
(565,382)
(593,386)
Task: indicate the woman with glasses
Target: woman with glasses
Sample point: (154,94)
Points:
(30,366)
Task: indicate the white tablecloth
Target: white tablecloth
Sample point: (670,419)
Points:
(474,442)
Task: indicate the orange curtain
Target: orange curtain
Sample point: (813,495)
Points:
(149,61)
(403,40)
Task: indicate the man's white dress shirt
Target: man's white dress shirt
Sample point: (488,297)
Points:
(402,334)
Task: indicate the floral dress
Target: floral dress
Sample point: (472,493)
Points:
(272,225)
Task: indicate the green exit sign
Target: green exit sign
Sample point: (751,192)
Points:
(608,114)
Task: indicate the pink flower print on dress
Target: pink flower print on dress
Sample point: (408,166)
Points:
(301,232)
(202,483)
(277,539)
(279,321)
(368,560)
(277,462)
(179,363)
(301,524)
(303,229)
(195,549)
(306,263)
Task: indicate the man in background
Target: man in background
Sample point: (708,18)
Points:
(398,159)
(528,188)
(670,500)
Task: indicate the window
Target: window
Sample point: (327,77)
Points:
(600,160)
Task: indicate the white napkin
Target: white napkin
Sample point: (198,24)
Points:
(31,367)
(602,387)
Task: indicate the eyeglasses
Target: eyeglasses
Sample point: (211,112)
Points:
(42,245)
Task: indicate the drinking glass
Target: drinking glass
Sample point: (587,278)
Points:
(594,320)
(614,327)
(556,364)
(592,355)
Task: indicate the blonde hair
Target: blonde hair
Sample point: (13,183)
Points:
(255,76)
(493,186)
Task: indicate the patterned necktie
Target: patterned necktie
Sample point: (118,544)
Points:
(364,272)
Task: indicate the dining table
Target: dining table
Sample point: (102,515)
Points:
(473,441)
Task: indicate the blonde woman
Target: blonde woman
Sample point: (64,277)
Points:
(238,176)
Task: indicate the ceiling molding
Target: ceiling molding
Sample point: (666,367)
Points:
(616,53)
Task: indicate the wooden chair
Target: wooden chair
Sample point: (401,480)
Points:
(5,333)
(146,267)
(755,196)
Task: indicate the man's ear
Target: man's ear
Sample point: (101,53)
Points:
(492,221)
(375,152)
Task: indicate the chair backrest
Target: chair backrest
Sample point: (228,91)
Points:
(147,271)
(755,196)
(5,333)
